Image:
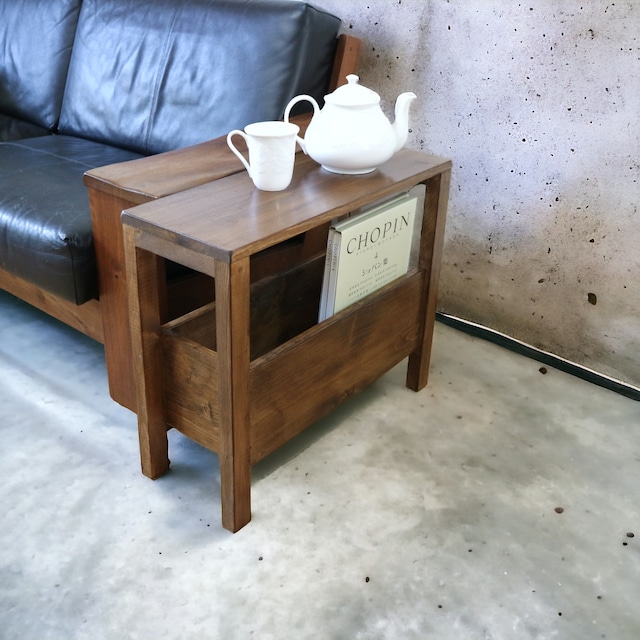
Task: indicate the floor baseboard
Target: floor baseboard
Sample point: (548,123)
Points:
(521,348)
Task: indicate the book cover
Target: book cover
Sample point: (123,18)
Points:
(366,252)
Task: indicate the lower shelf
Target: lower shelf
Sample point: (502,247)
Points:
(300,370)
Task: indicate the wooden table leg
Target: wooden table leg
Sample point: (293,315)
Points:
(433,222)
(143,277)
(232,333)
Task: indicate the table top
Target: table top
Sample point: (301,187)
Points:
(229,219)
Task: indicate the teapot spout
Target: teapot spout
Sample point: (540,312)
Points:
(401,124)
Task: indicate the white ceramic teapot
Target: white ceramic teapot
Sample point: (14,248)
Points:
(351,134)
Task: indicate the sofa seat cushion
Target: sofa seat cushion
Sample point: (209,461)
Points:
(36,38)
(171,73)
(45,222)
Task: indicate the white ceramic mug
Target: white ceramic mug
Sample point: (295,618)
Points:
(272,151)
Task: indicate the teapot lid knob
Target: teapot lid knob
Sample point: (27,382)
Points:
(353,94)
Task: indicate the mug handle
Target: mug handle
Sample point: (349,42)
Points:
(237,153)
(291,104)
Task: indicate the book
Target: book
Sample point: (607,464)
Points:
(367,251)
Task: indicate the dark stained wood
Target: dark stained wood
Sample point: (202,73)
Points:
(85,318)
(430,259)
(303,380)
(145,316)
(160,175)
(246,373)
(114,307)
(232,337)
(255,220)
(346,60)
(190,395)
(274,320)
(190,362)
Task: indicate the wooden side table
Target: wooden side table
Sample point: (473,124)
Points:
(246,373)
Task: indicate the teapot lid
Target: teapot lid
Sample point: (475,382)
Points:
(353,94)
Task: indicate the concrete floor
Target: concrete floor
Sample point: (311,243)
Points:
(499,503)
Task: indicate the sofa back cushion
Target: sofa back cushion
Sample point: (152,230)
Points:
(36,37)
(155,75)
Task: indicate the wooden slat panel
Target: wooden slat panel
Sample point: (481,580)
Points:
(332,358)
(191,369)
(191,390)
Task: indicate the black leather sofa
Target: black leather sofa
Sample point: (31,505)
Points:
(95,82)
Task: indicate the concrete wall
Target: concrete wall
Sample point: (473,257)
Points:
(538,105)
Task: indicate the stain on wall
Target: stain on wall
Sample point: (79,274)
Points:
(538,105)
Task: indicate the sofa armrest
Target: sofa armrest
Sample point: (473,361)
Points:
(138,181)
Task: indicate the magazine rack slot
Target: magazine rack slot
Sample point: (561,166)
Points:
(281,307)
(190,365)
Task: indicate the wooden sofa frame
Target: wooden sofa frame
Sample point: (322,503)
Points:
(121,186)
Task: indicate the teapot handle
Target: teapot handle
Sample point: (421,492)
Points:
(291,104)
